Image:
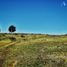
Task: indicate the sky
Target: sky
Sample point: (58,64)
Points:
(34,16)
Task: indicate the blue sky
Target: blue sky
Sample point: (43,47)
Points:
(34,16)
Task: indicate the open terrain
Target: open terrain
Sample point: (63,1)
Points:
(33,50)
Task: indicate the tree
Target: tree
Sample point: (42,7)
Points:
(0,30)
(12,28)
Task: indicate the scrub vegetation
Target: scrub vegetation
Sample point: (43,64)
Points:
(33,50)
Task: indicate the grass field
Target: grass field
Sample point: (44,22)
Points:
(33,50)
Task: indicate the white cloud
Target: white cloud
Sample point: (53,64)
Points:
(63,3)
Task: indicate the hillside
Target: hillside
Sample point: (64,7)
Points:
(33,50)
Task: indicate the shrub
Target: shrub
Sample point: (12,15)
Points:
(22,36)
(12,38)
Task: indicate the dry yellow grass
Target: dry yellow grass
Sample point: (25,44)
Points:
(34,51)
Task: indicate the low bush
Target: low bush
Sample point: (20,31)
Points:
(12,38)
(22,36)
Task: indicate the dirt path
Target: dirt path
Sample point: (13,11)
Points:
(4,52)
